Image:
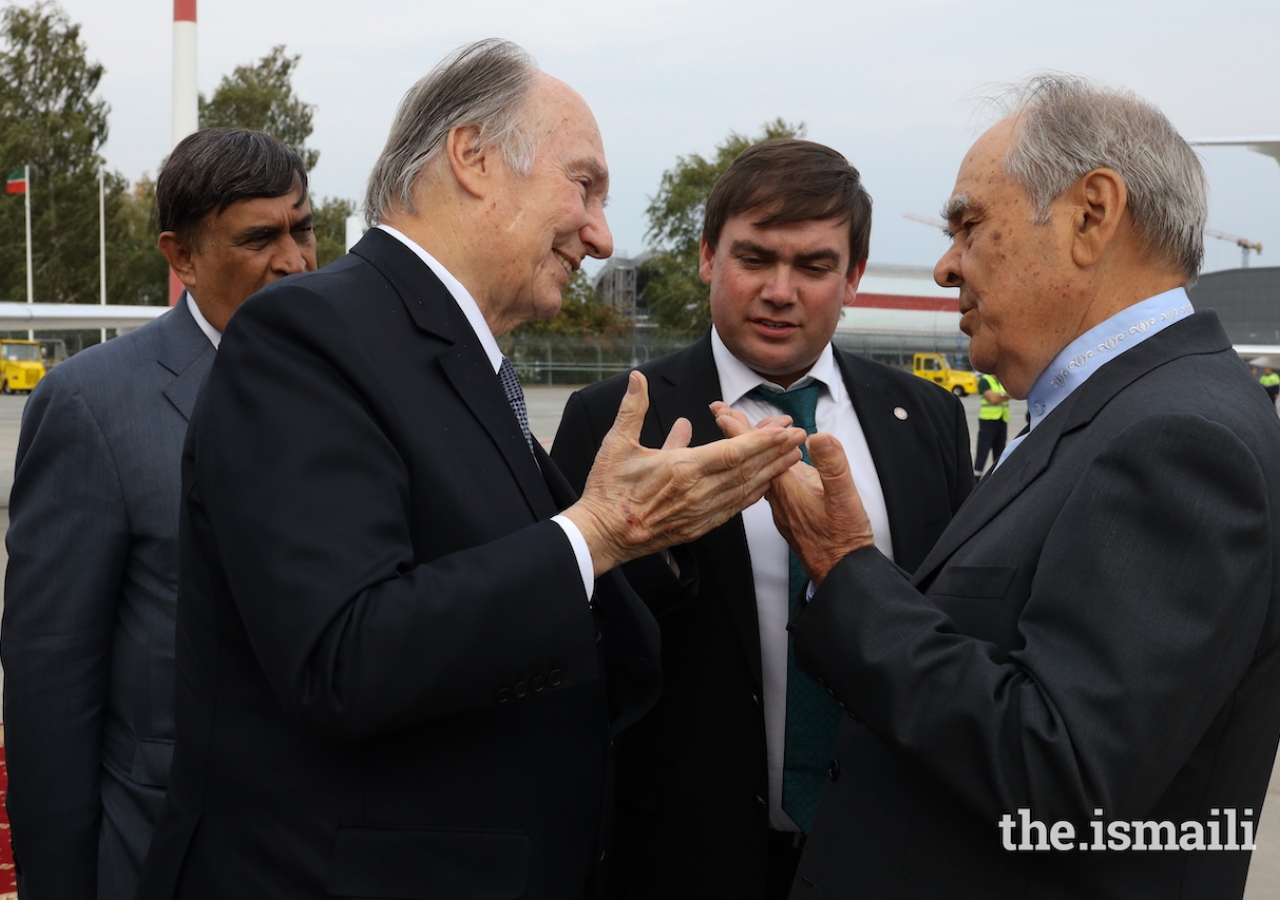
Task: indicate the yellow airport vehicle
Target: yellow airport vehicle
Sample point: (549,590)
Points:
(937,368)
(21,366)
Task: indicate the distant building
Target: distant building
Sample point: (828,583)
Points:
(899,311)
(620,284)
(1246,300)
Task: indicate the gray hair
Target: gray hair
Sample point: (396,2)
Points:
(1071,126)
(486,85)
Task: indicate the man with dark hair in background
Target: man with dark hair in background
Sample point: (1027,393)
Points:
(718,784)
(90,592)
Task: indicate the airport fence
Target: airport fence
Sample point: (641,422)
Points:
(564,360)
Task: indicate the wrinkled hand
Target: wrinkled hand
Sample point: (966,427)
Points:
(816,507)
(638,501)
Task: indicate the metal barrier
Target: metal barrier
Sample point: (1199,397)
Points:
(570,360)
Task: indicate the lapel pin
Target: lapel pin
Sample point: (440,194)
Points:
(900,413)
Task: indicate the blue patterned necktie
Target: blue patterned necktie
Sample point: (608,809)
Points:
(813,715)
(515,396)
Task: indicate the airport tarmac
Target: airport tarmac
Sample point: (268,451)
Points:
(546,404)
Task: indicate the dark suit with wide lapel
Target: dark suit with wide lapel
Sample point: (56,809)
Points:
(692,820)
(91,592)
(390,683)
(1095,638)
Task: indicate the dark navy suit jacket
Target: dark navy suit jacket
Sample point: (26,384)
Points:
(1095,637)
(693,775)
(390,683)
(90,599)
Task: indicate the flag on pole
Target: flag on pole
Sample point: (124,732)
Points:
(17,182)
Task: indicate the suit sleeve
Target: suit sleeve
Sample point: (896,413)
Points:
(1145,609)
(68,538)
(574,449)
(300,496)
(961,452)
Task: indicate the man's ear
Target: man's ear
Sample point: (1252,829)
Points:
(706,261)
(471,163)
(1099,202)
(851,282)
(180,255)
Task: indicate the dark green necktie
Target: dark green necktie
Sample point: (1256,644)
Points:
(813,716)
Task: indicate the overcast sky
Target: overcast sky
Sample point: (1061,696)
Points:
(889,84)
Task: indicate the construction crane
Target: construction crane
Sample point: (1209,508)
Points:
(1267,146)
(1244,244)
(926,220)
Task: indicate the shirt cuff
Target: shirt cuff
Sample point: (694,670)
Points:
(586,568)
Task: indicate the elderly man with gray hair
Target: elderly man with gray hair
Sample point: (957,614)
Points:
(402,651)
(1077,693)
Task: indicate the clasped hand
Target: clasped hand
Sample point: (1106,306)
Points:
(638,500)
(816,507)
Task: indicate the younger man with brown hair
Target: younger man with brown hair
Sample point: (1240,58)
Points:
(717,786)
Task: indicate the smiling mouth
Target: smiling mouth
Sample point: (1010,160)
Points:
(569,265)
(771,325)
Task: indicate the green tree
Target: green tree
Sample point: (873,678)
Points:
(581,315)
(675,294)
(261,97)
(137,272)
(51,121)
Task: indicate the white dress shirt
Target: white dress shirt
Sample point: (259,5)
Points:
(213,334)
(1094,349)
(470,309)
(770,556)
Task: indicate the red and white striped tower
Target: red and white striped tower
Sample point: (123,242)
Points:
(186,103)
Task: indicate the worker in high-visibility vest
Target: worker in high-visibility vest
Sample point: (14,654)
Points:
(1271,381)
(993,422)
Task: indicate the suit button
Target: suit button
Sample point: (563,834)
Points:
(539,684)
(554,677)
(504,694)
(755,698)
(522,689)
(833,770)
(761,804)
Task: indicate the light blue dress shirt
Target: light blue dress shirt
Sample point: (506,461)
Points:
(1094,349)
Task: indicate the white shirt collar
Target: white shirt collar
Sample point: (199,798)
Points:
(737,379)
(213,334)
(460,294)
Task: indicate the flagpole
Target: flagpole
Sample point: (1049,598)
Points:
(102,241)
(31,294)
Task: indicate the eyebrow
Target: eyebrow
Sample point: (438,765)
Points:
(599,175)
(263,232)
(959,204)
(826,254)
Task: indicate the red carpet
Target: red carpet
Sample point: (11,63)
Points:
(8,884)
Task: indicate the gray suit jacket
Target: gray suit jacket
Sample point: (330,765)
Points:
(90,595)
(1095,637)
